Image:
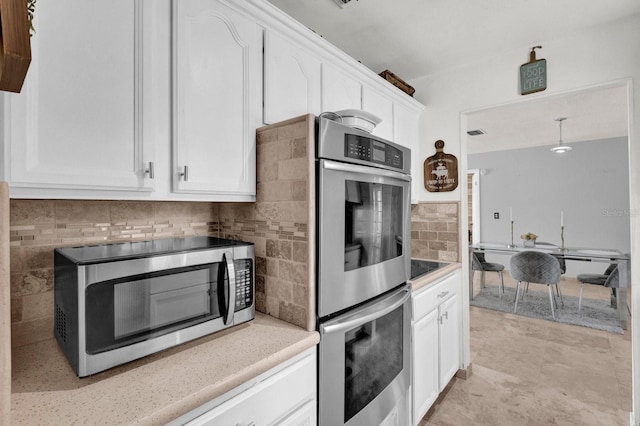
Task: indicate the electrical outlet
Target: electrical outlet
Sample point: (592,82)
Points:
(496,215)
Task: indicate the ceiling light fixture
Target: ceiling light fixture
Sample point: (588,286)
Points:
(560,148)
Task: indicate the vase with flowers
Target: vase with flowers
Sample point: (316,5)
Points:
(529,239)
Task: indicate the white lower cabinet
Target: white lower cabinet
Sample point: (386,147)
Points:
(449,339)
(283,396)
(425,364)
(436,341)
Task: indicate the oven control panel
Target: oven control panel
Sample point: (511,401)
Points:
(373,151)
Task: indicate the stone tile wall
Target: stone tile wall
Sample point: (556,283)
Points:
(435,231)
(39,226)
(5,315)
(280,221)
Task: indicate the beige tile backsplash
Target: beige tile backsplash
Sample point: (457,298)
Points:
(435,231)
(39,226)
(279,225)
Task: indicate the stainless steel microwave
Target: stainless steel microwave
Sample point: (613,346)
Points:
(118,302)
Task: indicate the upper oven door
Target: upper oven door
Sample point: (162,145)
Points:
(364,233)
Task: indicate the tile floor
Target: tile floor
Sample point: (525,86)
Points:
(535,372)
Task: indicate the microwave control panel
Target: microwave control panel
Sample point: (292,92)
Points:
(244,287)
(372,151)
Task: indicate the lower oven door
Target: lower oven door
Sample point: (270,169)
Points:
(364,364)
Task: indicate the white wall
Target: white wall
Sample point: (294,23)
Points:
(576,61)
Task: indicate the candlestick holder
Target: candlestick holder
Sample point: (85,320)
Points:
(562,239)
(511,245)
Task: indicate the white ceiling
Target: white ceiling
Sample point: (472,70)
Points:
(414,38)
(591,115)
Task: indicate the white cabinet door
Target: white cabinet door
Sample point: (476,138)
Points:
(217,93)
(287,397)
(82,119)
(291,80)
(304,416)
(425,364)
(449,339)
(406,128)
(339,90)
(381,106)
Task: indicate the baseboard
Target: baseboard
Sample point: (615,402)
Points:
(465,373)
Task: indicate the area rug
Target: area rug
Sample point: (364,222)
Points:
(594,313)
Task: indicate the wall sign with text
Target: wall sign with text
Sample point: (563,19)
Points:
(533,74)
(441,170)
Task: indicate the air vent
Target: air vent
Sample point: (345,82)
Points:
(61,324)
(476,132)
(342,3)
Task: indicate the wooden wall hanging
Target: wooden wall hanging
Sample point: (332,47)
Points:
(441,170)
(15,46)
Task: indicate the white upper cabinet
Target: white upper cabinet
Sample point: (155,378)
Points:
(217,93)
(382,106)
(82,119)
(160,100)
(339,89)
(291,80)
(406,123)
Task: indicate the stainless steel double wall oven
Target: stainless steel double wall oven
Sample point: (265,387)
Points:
(364,308)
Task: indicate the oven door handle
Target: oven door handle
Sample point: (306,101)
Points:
(368,313)
(341,167)
(230,303)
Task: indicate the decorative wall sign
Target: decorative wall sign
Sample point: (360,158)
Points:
(533,74)
(15,44)
(441,170)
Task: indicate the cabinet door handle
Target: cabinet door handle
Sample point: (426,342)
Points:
(149,170)
(446,315)
(246,424)
(443,294)
(185,173)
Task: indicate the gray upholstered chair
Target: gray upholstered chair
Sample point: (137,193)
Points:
(536,267)
(610,278)
(478,263)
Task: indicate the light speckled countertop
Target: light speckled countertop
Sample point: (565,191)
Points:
(154,389)
(426,279)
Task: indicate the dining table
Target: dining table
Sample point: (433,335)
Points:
(581,254)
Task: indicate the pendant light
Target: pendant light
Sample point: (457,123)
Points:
(560,148)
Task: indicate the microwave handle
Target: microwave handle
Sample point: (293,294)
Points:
(230,303)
